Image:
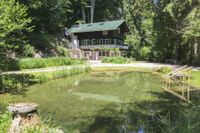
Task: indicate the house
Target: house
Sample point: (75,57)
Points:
(97,40)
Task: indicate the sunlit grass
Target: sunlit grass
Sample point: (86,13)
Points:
(195,81)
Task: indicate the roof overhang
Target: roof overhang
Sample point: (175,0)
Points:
(100,26)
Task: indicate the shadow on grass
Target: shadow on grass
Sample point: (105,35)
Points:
(15,84)
(166,115)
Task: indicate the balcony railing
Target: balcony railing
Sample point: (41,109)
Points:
(102,46)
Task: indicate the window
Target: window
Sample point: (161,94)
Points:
(101,41)
(119,42)
(97,41)
(106,41)
(82,42)
(86,42)
(105,32)
(110,41)
(93,41)
(115,41)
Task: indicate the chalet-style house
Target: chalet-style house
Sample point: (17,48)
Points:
(97,40)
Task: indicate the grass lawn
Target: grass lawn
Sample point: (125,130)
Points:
(195,81)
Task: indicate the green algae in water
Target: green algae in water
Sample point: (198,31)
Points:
(102,103)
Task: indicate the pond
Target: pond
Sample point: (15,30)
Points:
(111,102)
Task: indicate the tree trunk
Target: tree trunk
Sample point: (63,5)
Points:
(177,48)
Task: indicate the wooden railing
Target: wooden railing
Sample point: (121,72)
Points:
(100,46)
(181,77)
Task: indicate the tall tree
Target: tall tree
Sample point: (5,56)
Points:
(139,15)
(14,22)
(169,23)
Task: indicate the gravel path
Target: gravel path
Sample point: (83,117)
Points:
(136,64)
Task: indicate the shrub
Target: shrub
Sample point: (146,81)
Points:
(62,51)
(117,60)
(145,53)
(28,51)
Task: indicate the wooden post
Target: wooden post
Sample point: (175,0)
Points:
(182,81)
(97,54)
(188,89)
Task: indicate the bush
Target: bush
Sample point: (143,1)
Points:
(117,60)
(62,51)
(145,53)
(31,63)
(28,51)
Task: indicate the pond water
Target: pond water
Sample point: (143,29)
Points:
(127,102)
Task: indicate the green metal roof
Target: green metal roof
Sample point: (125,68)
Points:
(100,26)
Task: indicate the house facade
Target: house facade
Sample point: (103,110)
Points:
(97,40)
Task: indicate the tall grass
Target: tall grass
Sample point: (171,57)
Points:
(31,63)
(44,126)
(5,121)
(15,82)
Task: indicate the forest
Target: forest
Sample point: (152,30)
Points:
(161,30)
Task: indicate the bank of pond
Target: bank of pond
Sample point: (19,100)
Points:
(111,101)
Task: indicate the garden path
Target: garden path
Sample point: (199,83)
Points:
(135,64)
